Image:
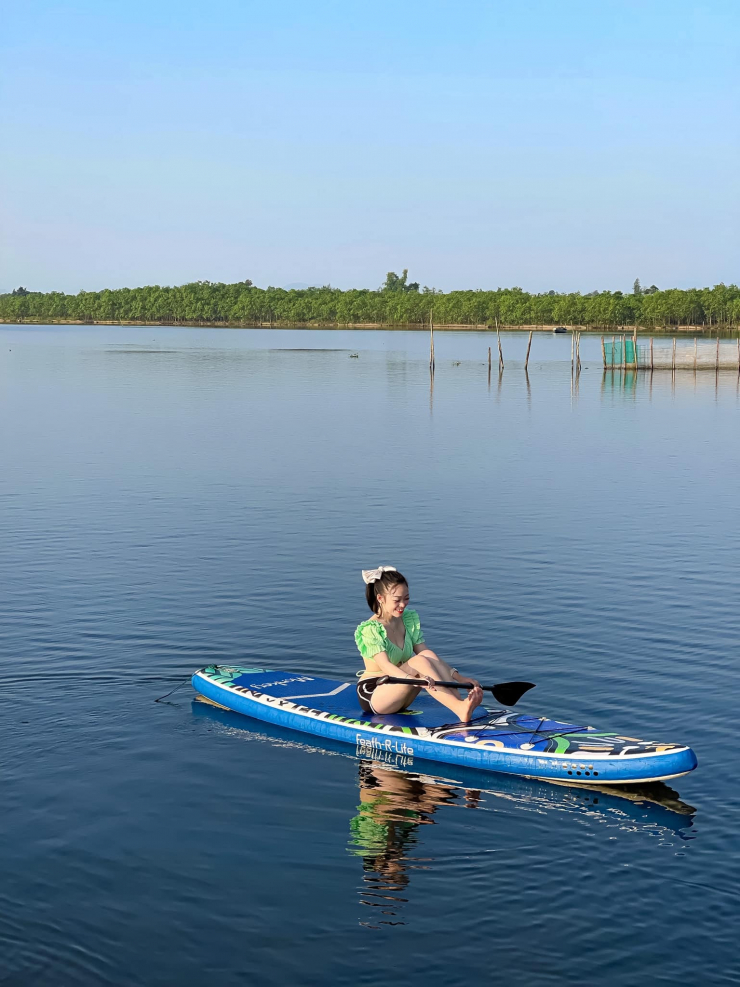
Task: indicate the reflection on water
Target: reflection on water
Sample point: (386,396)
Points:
(386,831)
(631,382)
(393,805)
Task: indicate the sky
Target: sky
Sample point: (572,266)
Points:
(550,144)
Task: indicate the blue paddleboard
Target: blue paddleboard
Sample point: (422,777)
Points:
(495,739)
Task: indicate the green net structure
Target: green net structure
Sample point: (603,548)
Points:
(672,354)
(620,352)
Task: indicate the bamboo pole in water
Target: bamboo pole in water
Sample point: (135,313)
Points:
(738,354)
(529,347)
(431,345)
(614,346)
(603,351)
(717,363)
(651,354)
(634,343)
(578,353)
(673,360)
(572,350)
(695,349)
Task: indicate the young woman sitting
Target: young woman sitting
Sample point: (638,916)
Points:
(391,643)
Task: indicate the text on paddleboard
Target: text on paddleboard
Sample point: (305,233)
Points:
(387,744)
(270,685)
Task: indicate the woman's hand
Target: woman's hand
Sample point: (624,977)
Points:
(468,680)
(425,681)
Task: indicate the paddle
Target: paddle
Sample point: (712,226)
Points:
(506,693)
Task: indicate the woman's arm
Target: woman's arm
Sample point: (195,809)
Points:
(467,679)
(387,667)
(422,649)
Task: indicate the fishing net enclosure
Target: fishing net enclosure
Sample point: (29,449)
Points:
(667,354)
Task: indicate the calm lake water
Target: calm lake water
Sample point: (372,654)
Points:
(173,497)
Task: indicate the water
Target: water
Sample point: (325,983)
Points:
(174,497)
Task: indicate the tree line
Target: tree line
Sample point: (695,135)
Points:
(397,302)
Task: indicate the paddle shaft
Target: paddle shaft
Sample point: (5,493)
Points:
(392,680)
(506,693)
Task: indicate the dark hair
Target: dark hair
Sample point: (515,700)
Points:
(386,582)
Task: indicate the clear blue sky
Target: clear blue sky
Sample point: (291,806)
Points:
(553,145)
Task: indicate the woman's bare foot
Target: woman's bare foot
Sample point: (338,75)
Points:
(471,702)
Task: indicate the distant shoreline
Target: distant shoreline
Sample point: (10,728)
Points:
(397,305)
(388,327)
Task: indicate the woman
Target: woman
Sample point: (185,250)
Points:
(391,642)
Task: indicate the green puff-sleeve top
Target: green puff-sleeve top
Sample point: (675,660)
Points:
(371,639)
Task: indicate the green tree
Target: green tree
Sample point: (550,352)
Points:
(395,283)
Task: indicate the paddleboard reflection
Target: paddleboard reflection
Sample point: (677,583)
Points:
(396,801)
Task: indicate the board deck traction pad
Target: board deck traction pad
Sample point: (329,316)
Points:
(495,739)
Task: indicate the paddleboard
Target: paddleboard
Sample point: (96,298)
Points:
(494,740)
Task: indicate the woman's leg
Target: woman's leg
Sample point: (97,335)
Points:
(442,669)
(393,698)
(429,664)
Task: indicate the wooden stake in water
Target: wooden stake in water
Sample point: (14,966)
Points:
(673,360)
(489,364)
(717,365)
(529,347)
(500,352)
(572,350)
(695,350)
(603,351)
(738,354)
(634,343)
(651,355)
(431,345)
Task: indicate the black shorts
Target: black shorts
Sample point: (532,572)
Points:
(366,688)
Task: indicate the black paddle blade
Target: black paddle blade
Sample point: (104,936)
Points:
(509,693)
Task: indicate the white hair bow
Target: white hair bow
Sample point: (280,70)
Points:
(373,575)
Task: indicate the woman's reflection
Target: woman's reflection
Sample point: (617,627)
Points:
(392,806)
